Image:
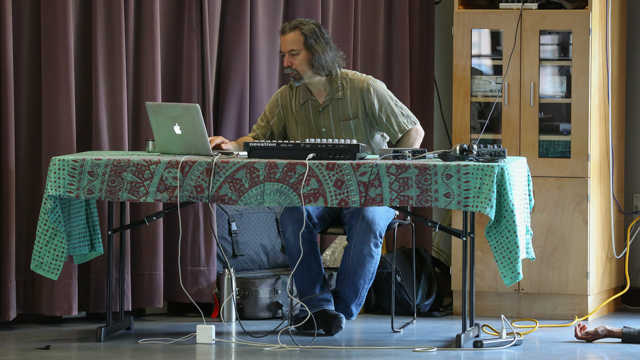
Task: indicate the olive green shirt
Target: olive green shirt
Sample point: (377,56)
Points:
(357,107)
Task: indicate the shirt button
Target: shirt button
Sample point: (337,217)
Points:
(322,129)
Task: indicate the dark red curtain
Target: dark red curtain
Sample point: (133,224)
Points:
(74,76)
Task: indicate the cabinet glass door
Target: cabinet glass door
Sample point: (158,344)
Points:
(555,93)
(486,86)
(486,108)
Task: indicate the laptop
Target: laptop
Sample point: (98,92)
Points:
(178,129)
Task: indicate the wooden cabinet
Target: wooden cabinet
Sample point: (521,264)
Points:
(555,92)
(536,83)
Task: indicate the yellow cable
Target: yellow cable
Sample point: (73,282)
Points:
(537,325)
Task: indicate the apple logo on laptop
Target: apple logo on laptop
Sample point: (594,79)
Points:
(176,128)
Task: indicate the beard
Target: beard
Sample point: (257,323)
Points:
(294,76)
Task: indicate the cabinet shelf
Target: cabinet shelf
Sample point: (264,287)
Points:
(555,137)
(556,62)
(486,60)
(555,101)
(487,136)
(485,99)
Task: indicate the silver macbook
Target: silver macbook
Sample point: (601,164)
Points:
(178,128)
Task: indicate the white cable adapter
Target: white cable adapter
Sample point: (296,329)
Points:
(205,334)
(503,331)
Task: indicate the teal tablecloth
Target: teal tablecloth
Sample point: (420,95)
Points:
(68,223)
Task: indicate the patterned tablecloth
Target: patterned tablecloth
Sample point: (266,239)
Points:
(69,225)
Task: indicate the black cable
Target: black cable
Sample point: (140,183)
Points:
(233,299)
(277,328)
(290,318)
(219,246)
(291,307)
(515,41)
(441,111)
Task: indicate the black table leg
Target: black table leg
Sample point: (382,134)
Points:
(123,322)
(470,329)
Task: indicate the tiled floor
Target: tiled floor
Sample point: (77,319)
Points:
(75,339)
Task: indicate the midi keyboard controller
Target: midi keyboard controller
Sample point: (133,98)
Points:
(323,149)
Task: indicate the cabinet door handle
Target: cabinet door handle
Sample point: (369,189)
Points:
(506,93)
(531,94)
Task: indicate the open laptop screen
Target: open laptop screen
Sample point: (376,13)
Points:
(178,128)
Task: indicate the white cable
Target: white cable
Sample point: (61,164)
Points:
(427,348)
(215,222)
(166,341)
(281,346)
(304,223)
(610,152)
(180,242)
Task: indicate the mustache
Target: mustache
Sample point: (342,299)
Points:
(291,71)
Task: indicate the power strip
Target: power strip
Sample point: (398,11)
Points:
(497,342)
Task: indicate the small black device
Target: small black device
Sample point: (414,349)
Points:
(405,154)
(473,152)
(491,152)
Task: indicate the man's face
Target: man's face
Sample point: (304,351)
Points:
(295,57)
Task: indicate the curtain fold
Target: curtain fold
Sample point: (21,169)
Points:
(7,166)
(75,74)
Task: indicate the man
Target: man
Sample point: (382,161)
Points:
(325,101)
(627,334)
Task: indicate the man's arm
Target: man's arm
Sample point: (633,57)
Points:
(220,143)
(412,138)
(270,123)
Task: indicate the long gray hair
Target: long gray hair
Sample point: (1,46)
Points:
(327,58)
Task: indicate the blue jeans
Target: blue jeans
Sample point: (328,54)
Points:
(365,228)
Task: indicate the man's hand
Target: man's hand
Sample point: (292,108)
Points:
(601,332)
(220,143)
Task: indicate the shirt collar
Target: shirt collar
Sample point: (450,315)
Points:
(335,92)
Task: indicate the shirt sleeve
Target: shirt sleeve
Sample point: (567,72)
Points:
(630,335)
(271,124)
(387,113)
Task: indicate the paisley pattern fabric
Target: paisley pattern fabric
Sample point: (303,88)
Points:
(68,223)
